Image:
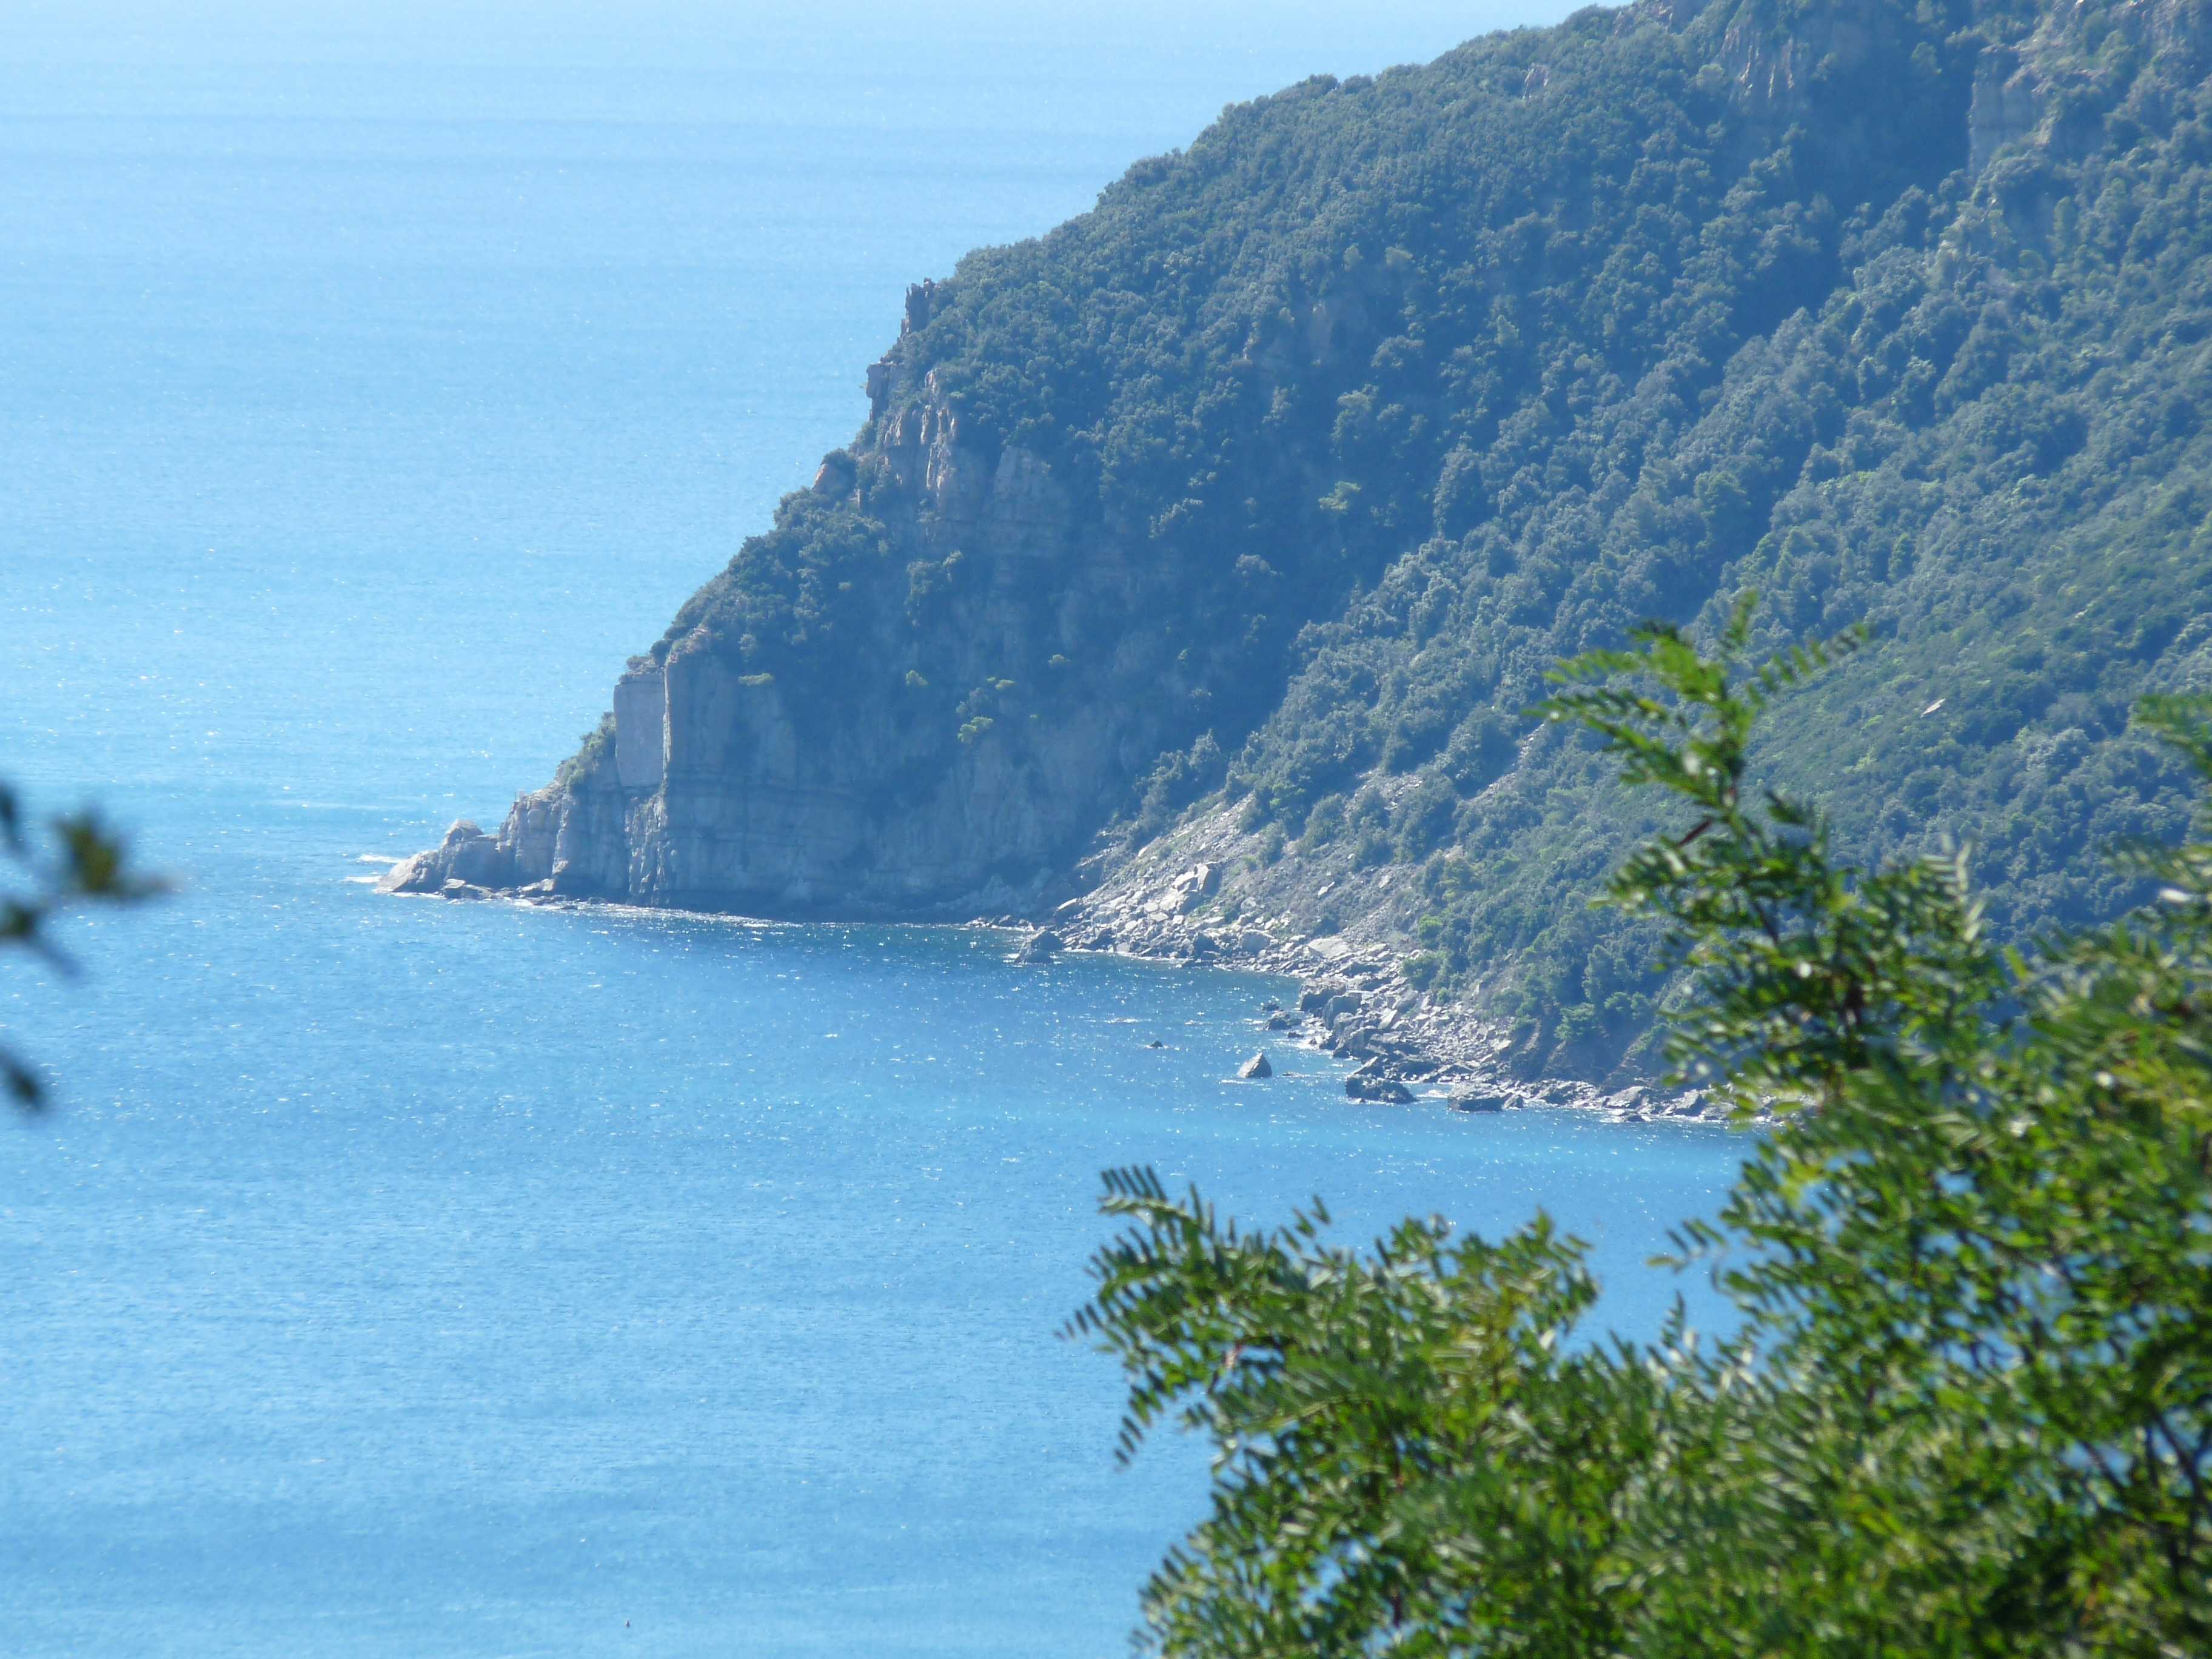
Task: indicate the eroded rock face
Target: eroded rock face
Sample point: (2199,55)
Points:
(714,801)
(2007,106)
(859,784)
(1772,70)
(720,788)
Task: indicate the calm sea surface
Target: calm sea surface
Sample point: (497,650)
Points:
(405,1278)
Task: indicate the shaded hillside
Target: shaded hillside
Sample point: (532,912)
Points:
(1256,501)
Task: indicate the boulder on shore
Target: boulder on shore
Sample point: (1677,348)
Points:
(1256,1068)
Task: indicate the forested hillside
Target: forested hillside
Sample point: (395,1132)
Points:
(1251,509)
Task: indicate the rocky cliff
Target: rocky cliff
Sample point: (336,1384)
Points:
(1231,524)
(718,782)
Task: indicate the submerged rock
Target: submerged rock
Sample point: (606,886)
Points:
(1383,1090)
(1479,1100)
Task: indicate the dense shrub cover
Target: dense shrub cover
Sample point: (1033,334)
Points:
(1969,1407)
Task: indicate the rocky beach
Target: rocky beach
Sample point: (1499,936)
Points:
(1354,1000)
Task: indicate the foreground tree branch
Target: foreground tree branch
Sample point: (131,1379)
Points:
(1969,1408)
(78,861)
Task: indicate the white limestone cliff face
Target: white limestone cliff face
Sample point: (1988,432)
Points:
(722,789)
(717,802)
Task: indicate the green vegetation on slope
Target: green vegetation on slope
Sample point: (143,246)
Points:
(1970,1408)
(1388,392)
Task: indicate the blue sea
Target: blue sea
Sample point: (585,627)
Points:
(398,1278)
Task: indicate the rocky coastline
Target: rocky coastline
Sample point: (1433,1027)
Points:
(1353,1001)
(1184,586)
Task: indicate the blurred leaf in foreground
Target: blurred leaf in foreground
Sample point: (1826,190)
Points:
(78,861)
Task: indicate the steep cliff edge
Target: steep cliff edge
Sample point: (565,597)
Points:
(1231,525)
(915,738)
